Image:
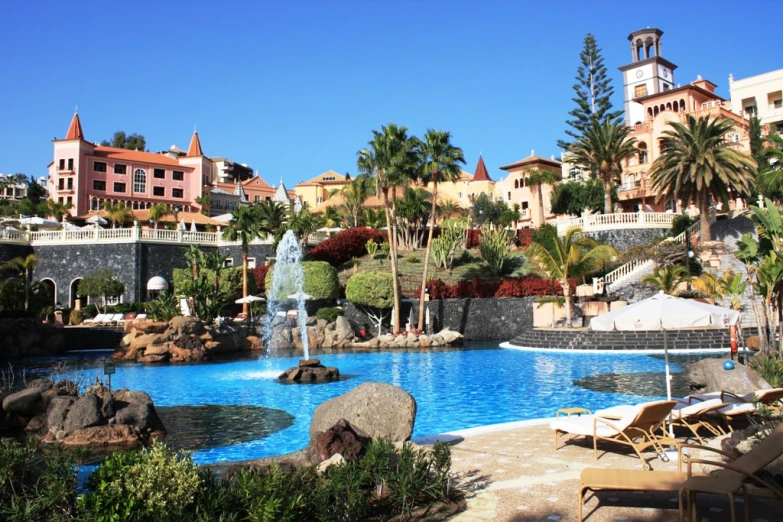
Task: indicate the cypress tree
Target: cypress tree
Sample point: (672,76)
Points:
(593,92)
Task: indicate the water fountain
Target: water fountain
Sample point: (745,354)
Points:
(286,287)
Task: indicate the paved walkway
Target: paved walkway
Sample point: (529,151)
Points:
(513,473)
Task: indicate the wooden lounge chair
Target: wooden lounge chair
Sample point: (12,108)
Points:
(737,477)
(640,428)
(738,406)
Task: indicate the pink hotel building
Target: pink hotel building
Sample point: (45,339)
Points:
(86,175)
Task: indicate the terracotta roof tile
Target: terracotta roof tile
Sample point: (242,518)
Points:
(195,146)
(75,129)
(135,155)
(481,173)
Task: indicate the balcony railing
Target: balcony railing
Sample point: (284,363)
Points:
(616,221)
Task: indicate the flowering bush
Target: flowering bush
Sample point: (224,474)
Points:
(345,245)
(525,236)
(507,287)
(259,273)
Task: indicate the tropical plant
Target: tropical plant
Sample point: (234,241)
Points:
(243,227)
(698,162)
(372,248)
(732,285)
(164,307)
(449,209)
(57,210)
(353,194)
(272,219)
(205,202)
(329,313)
(484,211)
(374,218)
(373,292)
(603,148)
(24,267)
(391,157)
(574,197)
(668,279)
(445,246)
(194,257)
(769,225)
(593,93)
(749,254)
(319,281)
(158,211)
(118,213)
(331,217)
(572,255)
(385,249)
(413,211)
(302,223)
(104,284)
(770,167)
(494,248)
(536,179)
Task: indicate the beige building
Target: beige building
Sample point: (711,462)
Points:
(515,188)
(762,95)
(314,192)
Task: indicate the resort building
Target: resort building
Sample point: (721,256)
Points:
(516,189)
(761,95)
(13,187)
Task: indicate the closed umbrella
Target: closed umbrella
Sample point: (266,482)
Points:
(96,220)
(193,226)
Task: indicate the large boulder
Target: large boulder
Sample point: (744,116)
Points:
(186,325)
(344,331)
(342,439)
(376,409)
(26,403)
(708,375)
(84,413)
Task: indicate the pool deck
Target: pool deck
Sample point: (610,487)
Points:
(512,473)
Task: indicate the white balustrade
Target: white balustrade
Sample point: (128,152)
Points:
(596,222)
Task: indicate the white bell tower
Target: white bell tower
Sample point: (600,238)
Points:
(648,73)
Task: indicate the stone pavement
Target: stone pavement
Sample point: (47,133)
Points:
(513,473)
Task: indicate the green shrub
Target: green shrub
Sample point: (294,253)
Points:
(164,308)
(127,308)
(77,317)
(371,289)
(385,248)
(494,249)
(230,281)
(412,259)
(329,314)
(770,367)
(90,310)
(681,223)
(320,281)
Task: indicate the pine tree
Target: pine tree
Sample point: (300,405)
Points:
(593,92)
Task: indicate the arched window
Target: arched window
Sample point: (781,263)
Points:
(649,112)
(669,106)
(642,152)
(682,105)
(139,181)
(639,50)
(655,111)
(516,183)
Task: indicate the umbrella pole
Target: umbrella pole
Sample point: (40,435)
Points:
(668,377)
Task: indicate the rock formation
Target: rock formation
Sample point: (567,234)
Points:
(25,336)
(310,371)
(708,375)
(98,418)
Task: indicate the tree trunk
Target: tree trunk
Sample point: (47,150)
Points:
(760,319)
(245,307)
(704,218)
(393,254)
(541,204)
(427,253)
(567,297)
(607,195)
(27,277)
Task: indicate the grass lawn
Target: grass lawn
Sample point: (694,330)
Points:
(411,272)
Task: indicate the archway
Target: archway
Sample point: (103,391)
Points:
(51,288)
(72,292)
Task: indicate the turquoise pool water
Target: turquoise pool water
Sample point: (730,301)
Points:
(453,389)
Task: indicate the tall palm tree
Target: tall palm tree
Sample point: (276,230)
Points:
(118,213)
(194,258)
(243,227)
(24,266)
(441,163)
(331,217)
(697,162)
(569,256)
(448,209)
(389,156)
(537,178)
(272,217)
(373,218)
(353,195)
(158,212)
(770,178)
(603,149)
(206,203)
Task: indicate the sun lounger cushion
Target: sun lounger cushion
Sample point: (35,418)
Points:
(97,319)
(684,410)
(737,408)
(585,425)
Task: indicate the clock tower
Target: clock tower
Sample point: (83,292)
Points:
(648,73)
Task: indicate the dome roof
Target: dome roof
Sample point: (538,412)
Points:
(157,283)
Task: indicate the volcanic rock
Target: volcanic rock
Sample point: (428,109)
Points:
(342,439)
(708,375)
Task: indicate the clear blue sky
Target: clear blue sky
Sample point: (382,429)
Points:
(295,88)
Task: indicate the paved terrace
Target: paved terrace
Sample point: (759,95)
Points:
(513,474)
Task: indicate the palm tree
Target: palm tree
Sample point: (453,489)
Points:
(303,223)
(158,212)
(448,209)
(206,203)
(194,258)
(272,217)
(570,256)
(389,157)
(537,178)
(414,209)
(603,149)
(516,215)
(24,266)
(353,195)
(770,178)
(732,285)
(57,210)
(118,213)
(243,227)
(698,162)
(668,279)
(373,218)
(441,163)
(331,217)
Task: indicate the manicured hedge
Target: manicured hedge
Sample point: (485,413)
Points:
(329,313)
(371,289)
(320,281)
(508,287)
(345,245)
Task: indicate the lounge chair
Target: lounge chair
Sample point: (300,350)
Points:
(95,320)
(141,317)
(738,476)
(738,406)
(641,427)
(115,318)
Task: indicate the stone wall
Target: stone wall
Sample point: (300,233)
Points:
(477,319)
(24,337)
(624,238)
(260,252)
(9,251)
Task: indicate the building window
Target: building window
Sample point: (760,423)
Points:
(158,191)
(60,200)
(159,174)
(62,165)
(267,198)
(119,187)
(228,262)
(666,87)
(139,181)
(509,196)
(251,262)
(99,185)
(70,184)
(639,91)
(177,193)
(120,169)
(70,164)
(459,195)
(178,176)
(524,205)
(256,199)
(99,166)
(69,200)
(61,184)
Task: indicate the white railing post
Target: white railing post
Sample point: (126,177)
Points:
(136,233)
(179,235)
(96,230)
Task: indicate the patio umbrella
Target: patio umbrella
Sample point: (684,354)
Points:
(96,220)
(193,226)
(39,221)
(306,297)
(181,225)
(665,312)
(249,299)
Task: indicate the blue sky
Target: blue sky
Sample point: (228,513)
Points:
(295,88)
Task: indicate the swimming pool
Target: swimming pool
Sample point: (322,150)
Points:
(454,389)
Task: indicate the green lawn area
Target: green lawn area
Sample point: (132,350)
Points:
(411,272)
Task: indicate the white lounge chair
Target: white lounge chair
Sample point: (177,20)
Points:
(95,320)
(141,317)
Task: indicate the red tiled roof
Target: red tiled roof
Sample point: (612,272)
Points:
(75,129)
(481,173)
(257,181)
(135,155)
(195,146)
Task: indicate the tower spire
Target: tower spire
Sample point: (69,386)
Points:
(195,146)
(75,129)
